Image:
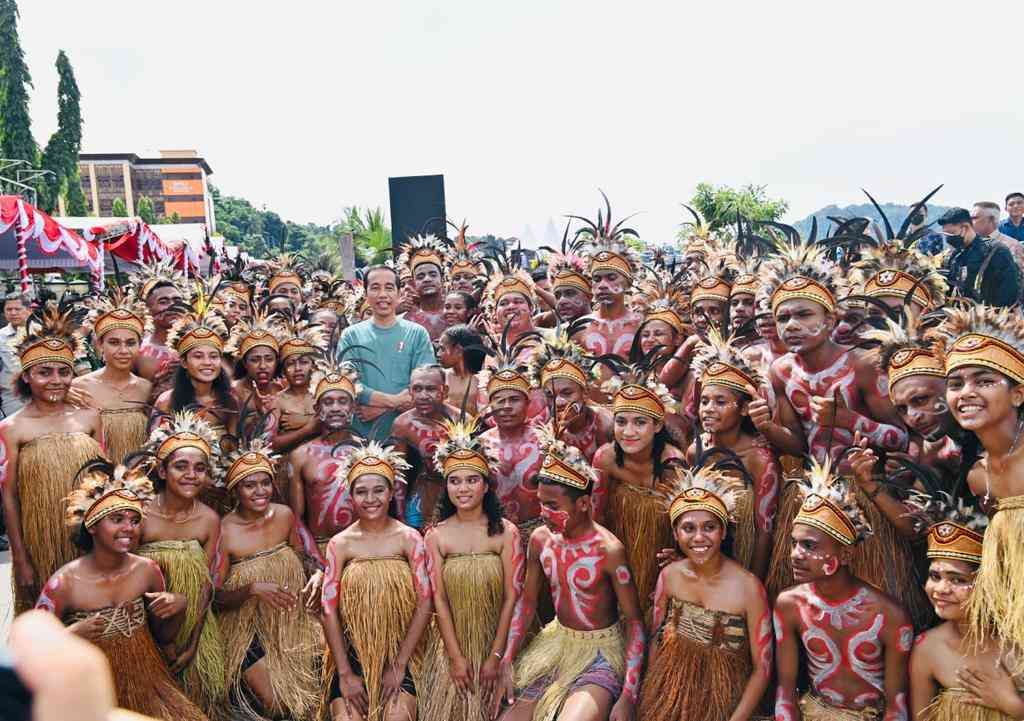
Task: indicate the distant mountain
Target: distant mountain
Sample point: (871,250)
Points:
(895,213)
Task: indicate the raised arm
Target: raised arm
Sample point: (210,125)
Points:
(780,425)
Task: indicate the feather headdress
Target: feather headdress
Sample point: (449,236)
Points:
(701,489)
(185,429)
(665,297)
(200,324)
(558,356)
(801,269)
(461,449)
(609,250)
(156,274)
(509,371)
(372,458)
(253,455)
(564,463)
(567,267)
(830,505)
(904,350)
(714,281)
(983,336)
(300,338)
(465,258)
(104,489)
(50,335)
(426,249)
(635,387)
(889,269)
(955,529)
(263,330)
(115,311)
(720,362)
(334,375)
(286,268)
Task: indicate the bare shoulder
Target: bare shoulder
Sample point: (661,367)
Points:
(163,401)
(283,513)
(538,539)
(510,530)
(890,606)
(612,545)
(208,516)
(789,600)
(604,456)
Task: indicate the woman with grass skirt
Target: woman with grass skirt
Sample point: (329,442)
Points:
(477,569)
(182,535)
(272,645)
(117,600)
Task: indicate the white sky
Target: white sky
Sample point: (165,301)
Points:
(528,107)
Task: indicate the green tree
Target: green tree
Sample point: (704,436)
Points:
(371,237)
(118,209)
(16,141)
(172,219)
(61,154)
(145,210)
(719,204)
(76,204)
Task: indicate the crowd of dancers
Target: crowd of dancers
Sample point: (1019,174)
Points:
(768,475)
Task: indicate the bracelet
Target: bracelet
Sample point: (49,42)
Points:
(498,654)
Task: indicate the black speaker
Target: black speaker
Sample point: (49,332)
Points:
(417,207)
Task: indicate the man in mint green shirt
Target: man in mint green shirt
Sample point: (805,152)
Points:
(392,348)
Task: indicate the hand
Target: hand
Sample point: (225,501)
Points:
(353,692)
(893,466)
(402,401)
(863,461)
(292,421)
(266,402)
(758,410)
(826,412)
(68,678)
(391,683)
(506,688)
(623,710)
(273,595)
(490,674)
(80,398)
(459,672)
(988,684)
(183,657)
(666,556)
(90,628)
(25,575)
(310,594)
(165,605)
(368,414)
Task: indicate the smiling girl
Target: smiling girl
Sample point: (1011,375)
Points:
(477,569)
(272,646)
(118,600)
(711,651)
(376,599)
(181,534)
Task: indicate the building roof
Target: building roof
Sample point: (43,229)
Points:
(136,160)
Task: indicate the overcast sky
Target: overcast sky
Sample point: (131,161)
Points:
(528,107)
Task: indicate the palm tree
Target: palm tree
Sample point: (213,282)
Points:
(371,237)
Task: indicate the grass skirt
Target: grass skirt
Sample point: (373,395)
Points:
(563,654)
(949,706)
(702,667)
(886,561)
(46,476)
(124,431)
(377,604)
(813,708)
(780,572)
(637,517)
(185,568)
(744,530)
(141,679)
(474,585)
(292,640)
(996,604)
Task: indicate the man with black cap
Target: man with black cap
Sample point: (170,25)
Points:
(978,268)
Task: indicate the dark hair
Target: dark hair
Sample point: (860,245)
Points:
(183,394)
(157,286)
(661,440)
(428,367)
(265,303)
(573,493)
(467,298)
(22,388)
(491,507)
(239,371)
(1011,196)
(471,343)
(388,268)
(540,273)
(83,539)
(954,216)
(24,298)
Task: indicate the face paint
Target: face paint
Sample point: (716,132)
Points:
(554,519)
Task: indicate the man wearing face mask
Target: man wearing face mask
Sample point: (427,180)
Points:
(978,268)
